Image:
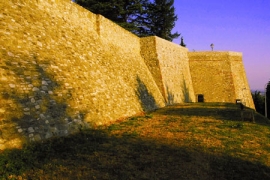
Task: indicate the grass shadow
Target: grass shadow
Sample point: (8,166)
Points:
(97,154)
(219,111)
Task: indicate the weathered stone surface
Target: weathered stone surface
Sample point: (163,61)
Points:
(12,85)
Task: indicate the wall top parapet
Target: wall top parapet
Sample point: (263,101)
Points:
(218,53)
(163,41)
(214,55)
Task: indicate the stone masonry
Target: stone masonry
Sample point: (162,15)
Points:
(63,68)
(220,77)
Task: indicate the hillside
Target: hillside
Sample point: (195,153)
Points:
(187,141)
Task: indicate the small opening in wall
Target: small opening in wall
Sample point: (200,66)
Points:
(238,101)
(200,98)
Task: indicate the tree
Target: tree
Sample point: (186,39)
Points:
(267,93)
(141,17)
(259,101)
(129,14)
(182,42)
(162,19)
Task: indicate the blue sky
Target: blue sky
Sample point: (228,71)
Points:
(231,25)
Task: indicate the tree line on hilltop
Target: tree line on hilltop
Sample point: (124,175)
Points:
(141,17)
(259,101)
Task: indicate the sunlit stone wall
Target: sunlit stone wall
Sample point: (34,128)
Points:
(220,77)
(62,70)
(169,65)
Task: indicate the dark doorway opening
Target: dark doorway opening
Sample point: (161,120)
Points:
(200,98)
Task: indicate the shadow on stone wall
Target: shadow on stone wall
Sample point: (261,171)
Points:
(185,95)
(185,92)
(170,97)
(147,101)
(36,104)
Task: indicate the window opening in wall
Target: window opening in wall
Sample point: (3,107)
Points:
(200,98)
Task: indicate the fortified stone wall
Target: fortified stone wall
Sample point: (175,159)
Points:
(219,77)
(113,35)
(169,65)
(242,90)
(63,68)
(59,73)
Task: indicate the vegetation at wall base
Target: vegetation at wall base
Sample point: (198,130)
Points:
(185,141)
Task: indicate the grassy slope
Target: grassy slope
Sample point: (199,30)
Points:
(189,141)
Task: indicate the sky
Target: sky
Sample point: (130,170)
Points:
(231,25)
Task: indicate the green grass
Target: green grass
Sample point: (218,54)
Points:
(187,141)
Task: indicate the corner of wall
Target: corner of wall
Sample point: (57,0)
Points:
(220,76)
(241,86)
(150,56)
(168,63)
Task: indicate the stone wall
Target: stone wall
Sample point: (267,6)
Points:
(169,65)
(242,90)
(219,77)
(61,69)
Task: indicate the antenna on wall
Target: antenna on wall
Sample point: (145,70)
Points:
(212,46)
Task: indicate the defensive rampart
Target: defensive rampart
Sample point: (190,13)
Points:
(63,68)
(169,64)
(219,77)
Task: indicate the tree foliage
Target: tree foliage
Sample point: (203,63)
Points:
(267,93)
(259,102)
(122,12)
(162,17)
(141,17)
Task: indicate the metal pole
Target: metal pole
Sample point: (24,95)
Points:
(265,87)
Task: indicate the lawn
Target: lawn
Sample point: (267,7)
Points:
(185,141)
